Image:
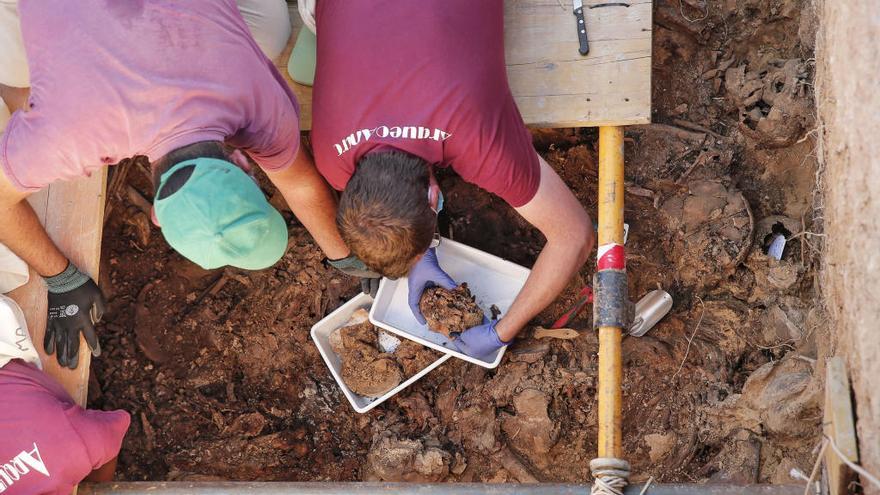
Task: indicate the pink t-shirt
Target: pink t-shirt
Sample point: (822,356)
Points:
(48,444)
(426,77)
(110,80)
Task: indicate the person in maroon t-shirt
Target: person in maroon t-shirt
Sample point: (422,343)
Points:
(403,87)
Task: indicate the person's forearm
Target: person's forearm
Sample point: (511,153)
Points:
(315,207)
(313,203)
(557,213)
(22,233)
(556,265)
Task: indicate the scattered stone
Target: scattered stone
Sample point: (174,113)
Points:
(782,475)
(785,397)
(247,425)
(782,275)
(531,431)
(659,445)
(738,462)
(780,326)
(459,465)
(502,385)
(514,466)
(774,102)
(416,408)
(394,459)
(475,428)
(237,457)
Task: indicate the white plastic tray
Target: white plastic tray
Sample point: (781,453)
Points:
(492,280)
(321,335)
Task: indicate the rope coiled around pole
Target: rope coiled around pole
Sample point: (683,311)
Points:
(611,475)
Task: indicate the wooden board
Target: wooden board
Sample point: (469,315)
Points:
(552,83)
(838,425)
(72,213)
(555,86)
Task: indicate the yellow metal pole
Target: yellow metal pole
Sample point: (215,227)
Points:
(611,254)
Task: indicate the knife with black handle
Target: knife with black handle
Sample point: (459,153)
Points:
(581,27)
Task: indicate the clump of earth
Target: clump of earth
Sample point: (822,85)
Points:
(450,312)
(366,368)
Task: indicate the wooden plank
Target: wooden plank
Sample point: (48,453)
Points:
(838,425)
(72,213)
(554,86)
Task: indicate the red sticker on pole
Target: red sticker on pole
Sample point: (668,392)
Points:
(611,257)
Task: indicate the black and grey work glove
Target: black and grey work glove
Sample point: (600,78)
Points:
(354,267)
(75,305)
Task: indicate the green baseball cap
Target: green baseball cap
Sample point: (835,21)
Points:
(220,217)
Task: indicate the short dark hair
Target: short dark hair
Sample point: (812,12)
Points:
(384,215)
(202,149)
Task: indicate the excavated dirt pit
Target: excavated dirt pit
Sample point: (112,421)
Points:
(223,382)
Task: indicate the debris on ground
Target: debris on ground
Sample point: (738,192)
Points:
(714,225)
(394,459)
(774,100)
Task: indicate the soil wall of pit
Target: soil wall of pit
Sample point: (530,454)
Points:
(848,64)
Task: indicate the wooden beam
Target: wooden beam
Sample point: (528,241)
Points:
(72,213)
(554,86)
(838,425)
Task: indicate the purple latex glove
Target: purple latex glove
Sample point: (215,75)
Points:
(480,341)
(426,273)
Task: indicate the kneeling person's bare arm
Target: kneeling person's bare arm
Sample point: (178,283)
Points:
(21,231)
(562,219)
(556,212)
(75,302)
(312,201)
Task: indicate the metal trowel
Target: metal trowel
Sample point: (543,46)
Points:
(649,311)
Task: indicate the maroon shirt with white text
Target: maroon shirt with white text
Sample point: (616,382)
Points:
(426,77)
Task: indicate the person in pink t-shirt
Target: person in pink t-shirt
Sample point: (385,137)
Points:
(182,82)
(48,444)
(404,87)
